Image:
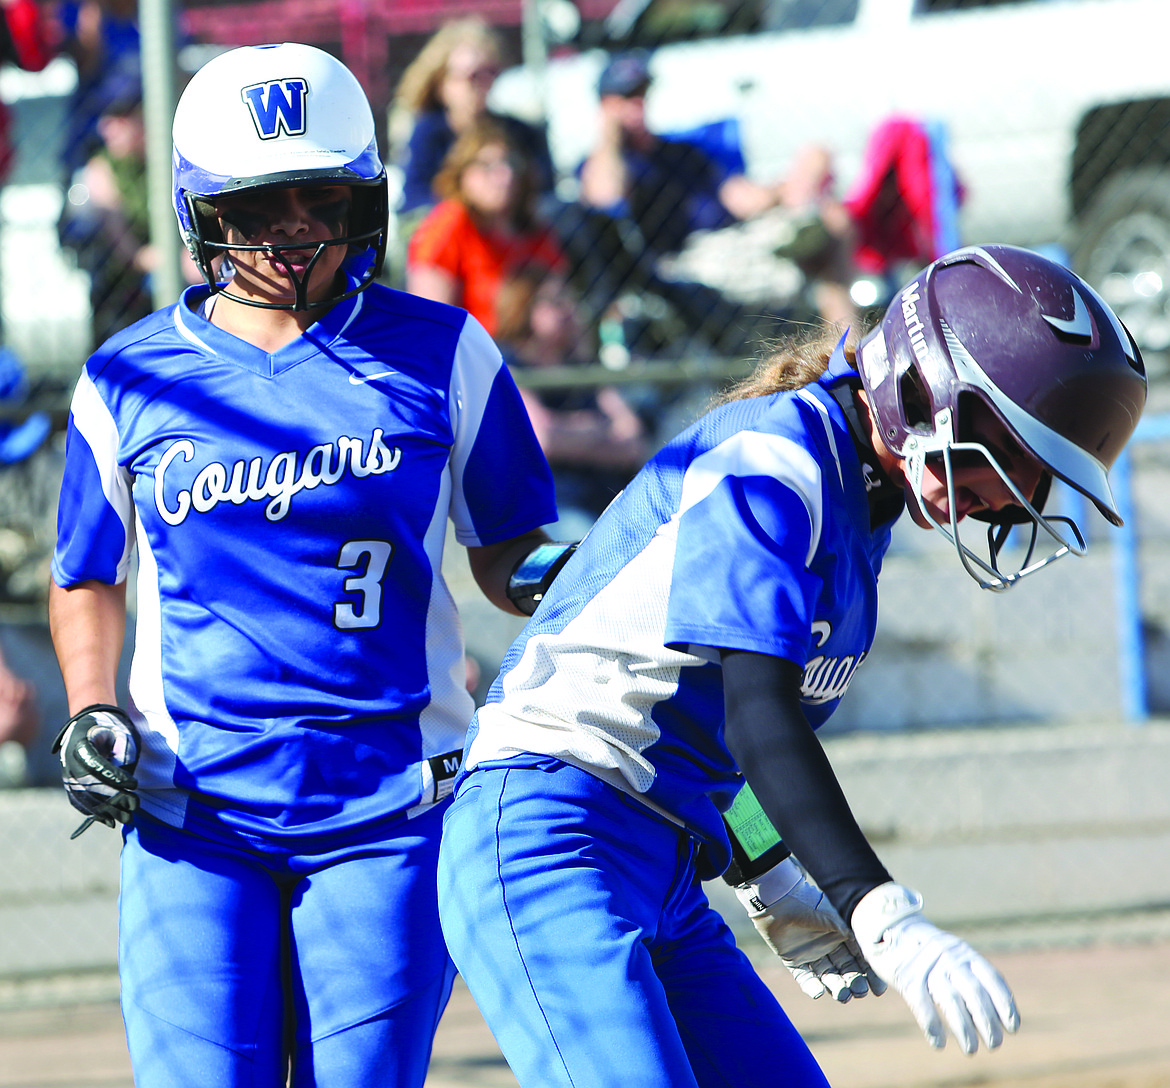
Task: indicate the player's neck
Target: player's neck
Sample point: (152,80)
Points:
(890,463)
(268,330)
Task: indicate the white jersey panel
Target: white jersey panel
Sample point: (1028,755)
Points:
(148,707)
(471,386)
(443,722)
(585,694)
(823,412)
(96,425)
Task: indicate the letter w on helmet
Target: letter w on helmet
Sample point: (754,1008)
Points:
(277,107)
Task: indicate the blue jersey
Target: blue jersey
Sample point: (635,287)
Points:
(298,664)
(749,531)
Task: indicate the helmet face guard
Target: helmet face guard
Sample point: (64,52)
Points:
(271,117)
(1061,534)
(363,264)
(1036,345)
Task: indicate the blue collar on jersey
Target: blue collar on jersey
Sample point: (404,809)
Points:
(839,366)
(886,497)
(193,326)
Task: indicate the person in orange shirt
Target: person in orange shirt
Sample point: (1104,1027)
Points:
(484,227)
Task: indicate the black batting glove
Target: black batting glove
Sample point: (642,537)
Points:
(98,748)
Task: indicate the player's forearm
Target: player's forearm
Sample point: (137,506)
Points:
(589,440)
(492,566)
(88,624)
(792,778)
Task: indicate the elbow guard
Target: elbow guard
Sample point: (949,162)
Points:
(533,575)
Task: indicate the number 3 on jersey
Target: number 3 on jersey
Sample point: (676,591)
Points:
(372,558)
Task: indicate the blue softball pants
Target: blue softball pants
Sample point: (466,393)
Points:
(578,921)
(242,967)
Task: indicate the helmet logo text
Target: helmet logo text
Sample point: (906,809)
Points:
(278,107)
(914,326)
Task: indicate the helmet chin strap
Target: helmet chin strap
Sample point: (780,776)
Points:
(986,571)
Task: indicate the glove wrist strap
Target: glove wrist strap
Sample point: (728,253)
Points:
(771,887)
(883,907)
(81,714)
(534,573)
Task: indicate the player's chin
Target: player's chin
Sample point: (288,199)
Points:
(278,276)
(936,513)
(921,508)
(274,286)
(918,517)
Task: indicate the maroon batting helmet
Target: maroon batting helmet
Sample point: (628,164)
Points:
(1039,347)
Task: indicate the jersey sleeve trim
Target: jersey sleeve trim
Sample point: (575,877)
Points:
(471,383)
(494,452)
(827,423)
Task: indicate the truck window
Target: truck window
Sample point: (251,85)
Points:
(928,7)
(804,14)
(651,23)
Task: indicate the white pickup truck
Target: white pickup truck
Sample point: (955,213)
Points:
(1057,112)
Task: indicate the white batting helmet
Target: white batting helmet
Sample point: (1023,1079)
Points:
(263,117)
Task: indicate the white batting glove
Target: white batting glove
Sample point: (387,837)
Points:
(800,925)
(933,970)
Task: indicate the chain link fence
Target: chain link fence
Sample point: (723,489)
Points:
(987,744)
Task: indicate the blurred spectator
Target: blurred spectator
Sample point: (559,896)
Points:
(24,42)
(485,226)
(29,483)
(441,94)
(593,439)
(101,37)
(899,208)
(27,491)
(17,440)
(19,715)
(106,221)
(671,189)
(106,217)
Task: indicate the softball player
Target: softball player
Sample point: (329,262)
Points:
(283,450)
(717,610)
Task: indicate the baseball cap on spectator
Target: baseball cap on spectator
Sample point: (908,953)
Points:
(120,93)
(626,74)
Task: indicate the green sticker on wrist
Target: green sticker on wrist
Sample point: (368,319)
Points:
(752,828)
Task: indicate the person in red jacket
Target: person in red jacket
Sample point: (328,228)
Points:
(24,42)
